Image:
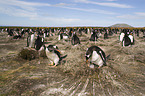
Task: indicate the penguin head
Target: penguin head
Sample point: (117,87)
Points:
(87,57)
(52,48)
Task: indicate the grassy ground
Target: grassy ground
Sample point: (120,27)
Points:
(123,75)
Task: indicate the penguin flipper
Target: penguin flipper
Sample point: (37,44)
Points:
(63,57)
(108,57)
(103,58)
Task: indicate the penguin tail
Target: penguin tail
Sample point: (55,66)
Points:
(62,57)
(108,57)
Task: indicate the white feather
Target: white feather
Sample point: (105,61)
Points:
(96,59)
(52,57)
(32,40)
(131,38)
(121,36)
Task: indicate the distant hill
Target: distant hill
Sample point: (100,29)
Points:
(120,25)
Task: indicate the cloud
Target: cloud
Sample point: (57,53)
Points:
(33,11)
(117,5)
(62,4)
(111,0)
(136,15)
(140,13)
(91,10)
(19,8)
(17,12)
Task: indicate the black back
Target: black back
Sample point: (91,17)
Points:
(97,49)
(38,43)
(94,37)
(105,35)
(75,40)
(126,40)
(51,48)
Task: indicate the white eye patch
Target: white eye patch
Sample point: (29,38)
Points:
(87,56)
(54,46)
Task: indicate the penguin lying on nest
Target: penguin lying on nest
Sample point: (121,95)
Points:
(54,55)
(96,56)
(63,36)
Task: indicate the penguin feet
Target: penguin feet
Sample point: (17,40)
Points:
(31,48)
(52,64)
(99,67)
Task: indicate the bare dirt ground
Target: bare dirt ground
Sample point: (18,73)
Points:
(124,74)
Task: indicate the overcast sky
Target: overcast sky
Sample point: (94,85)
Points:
(63,13)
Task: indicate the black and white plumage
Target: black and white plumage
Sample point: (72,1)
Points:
(105,35)
(121,36)
(127,40)
(31,40)
(131,38)
(96,56)
(39,43)
(54,55)
(75,39)
(17,37)
(94,36)
(63,36)
(10,32)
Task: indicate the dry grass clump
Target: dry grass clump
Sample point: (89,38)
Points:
(28,54)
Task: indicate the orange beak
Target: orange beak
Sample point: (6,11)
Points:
(86,61)
(58,51)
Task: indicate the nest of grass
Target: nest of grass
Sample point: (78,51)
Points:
(28,53)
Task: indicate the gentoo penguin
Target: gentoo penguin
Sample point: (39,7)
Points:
(94,36)
(31,39)
(105,35)
(96,56)
(10,32)
(75,39)
(70,32)
(54,55)
(121,36)
(17,37)
(131,38)
(126,40)
(39,42)
(63,36)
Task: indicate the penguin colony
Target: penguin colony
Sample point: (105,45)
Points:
(94,54)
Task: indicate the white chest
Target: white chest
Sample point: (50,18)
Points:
(131,38)
(52,56)
(65,37)
(121,36)
(96,59)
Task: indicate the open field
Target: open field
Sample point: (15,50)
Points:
(124,74)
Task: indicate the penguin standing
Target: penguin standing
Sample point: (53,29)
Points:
(54,55)
(39,42)
(105,35)
(75,39)
(96,56)
(94,36)
(126,40)
(131,38)
(30,39)
(121,36)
